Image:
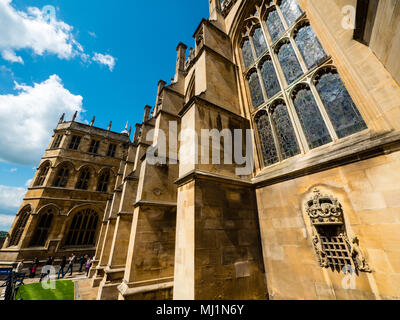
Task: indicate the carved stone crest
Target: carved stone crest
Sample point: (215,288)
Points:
(324,210)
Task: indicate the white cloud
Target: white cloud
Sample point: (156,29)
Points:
(31,30)
(6,222)
(92,34)
(11,197)
(12,170)
(28,183)
(105,59)
(28,118)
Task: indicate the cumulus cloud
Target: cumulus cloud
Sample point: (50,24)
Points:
(6,222)
(105,59)
(11,197)
(31,30)
(34,31)
(28,118)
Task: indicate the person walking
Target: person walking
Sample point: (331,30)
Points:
(46,270)
(62,266)
(20,266)
(70,264)
(88,265)
(33,268)
(82,261)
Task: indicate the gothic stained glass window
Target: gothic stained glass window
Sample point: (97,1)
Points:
(266,139)
(247,53)
(259,41)
(314,127)
(290,10)
(274,25)
(289,63)
(285,132)
(255,89)
(310,47)
(270,79)
(42,230)
(342,111)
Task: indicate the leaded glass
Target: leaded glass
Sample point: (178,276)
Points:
(274,25)
(285,132)
(270,79)
(247,53)
(255,90)
(259,42)
(267,140)
(342,111)
(289,63)
(290,10)
(314,127)
(310,47)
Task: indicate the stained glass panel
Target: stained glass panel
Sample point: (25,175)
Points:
(270,79)
(314,127)
(290,10)
(259,42)
(274,25)
(310,47)
(345,117)
(267,140)
(247,53)
(289,63)
(255,90)
(285,132)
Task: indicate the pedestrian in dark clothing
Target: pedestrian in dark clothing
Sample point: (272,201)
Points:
(88,265)
(45,270)
(62,266)
(33,268)
(82,261)
(70,264)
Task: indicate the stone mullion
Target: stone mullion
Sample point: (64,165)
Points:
(298,129)
(275,136)
(282,17)
(323,111)
(258,141)
(260,79)
(298,55)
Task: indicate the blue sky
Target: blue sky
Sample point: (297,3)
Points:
(102,58)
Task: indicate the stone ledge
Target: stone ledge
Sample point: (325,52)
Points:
(128,289)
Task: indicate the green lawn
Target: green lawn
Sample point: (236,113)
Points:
(64,291)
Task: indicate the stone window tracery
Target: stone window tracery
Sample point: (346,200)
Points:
(295,65)
(42,175)
(266,137)
(104,181)
(62,177)
(42,229)
(84,178)
(20,227)
(82,230)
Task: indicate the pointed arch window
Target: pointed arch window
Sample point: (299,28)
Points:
(259,41)
(247,53)
(266,137)
(84,179)
(42,230)
(19,227)
(286,136)
(311,120)
(62,177)
(309,46)
(255,89)
(270,79)
(104,180)
(290,10)
(343,113)
(43,172)
(274,25)
(289,63)
(82,230)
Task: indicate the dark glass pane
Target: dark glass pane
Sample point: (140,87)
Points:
(345,117)
(314,127)
(267,140)
(274,25)
(285,132)
(290,10)
(270,79)
(259,42)
(247,53)
(310,47)
(289,63)
(255,90)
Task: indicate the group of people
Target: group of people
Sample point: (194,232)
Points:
(84,261)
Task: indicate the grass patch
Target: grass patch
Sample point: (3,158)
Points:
(64,291)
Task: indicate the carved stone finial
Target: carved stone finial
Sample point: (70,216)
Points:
(75,115)
(62,118)
(92,122)
(109,126)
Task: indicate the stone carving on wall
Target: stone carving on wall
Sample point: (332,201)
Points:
(331,243)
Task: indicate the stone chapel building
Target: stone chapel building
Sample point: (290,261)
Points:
(319,216)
